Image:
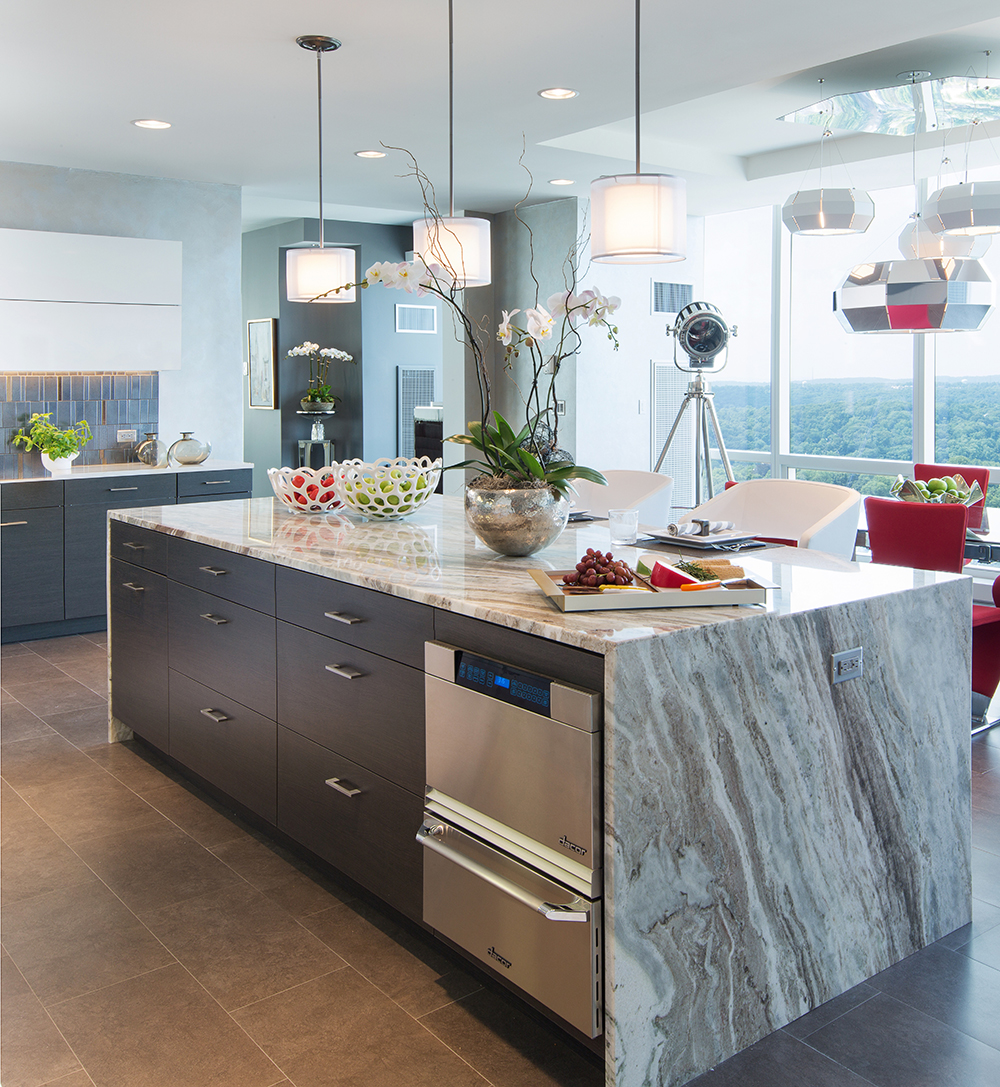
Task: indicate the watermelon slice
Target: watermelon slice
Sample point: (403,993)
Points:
(667,577)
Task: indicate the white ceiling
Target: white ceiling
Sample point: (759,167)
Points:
(241,95)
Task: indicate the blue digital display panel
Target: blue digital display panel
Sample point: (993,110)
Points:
(503,682)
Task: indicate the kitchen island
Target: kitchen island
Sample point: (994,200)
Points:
(770,840)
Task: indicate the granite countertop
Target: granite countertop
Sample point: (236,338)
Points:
(432,557)
(99,471)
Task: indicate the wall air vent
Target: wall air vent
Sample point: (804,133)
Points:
(414,386)
(670,297)
(422,319)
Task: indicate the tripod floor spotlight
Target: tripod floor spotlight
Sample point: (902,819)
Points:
(704,336)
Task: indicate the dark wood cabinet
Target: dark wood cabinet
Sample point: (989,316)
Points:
(139,648)
(235,577)
(356,820)
(227,744)
(31,567)
(225,484)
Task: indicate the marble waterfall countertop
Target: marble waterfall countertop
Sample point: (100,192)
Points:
(432,557)
(103,471)
(771,840)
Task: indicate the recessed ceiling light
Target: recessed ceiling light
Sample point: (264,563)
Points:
(558,93)
(370,154)
(561,181)
(150,123)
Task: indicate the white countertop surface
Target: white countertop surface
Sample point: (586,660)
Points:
(103,471)
(432,557)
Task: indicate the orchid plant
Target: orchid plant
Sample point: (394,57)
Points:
(319,369)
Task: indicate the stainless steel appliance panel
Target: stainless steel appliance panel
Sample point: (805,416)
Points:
(536,775)
(530,929)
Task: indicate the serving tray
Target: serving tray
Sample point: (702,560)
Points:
(550,582)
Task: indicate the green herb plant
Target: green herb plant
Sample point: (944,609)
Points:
(52,441)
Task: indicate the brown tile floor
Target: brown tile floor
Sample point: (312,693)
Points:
(153,939)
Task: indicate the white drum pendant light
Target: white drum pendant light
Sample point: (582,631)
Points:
(318,270)
(638,218)
(459,244)
(969,209)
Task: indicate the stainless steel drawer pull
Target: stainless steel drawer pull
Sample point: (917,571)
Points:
(215,571)
(11,524)
(123,488)
(217,715)
(344,670)
(344,787)
(214,482)
(134,546)
(217,619)
(430,837)
(135,588)
(350,620)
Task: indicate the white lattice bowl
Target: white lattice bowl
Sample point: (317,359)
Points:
(306,490)
(386,489)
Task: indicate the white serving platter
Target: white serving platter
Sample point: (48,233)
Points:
(713,539)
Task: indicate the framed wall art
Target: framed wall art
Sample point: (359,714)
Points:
(262,353)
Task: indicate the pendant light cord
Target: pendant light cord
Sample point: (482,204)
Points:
(451,109)
(319,117)
(638,164)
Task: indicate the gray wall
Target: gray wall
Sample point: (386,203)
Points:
(204,394)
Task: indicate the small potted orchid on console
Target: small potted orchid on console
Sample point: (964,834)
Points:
(319,397)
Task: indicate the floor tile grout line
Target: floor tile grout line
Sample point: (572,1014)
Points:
(840,1064)
(451,1049)
(288,988)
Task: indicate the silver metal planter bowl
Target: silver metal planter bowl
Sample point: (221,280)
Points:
(516,522)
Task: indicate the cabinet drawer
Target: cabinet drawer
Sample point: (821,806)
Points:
(370,835)
(139,650)
(204,484)
(122,491)
(226,497)
(222,573)
(31,568)
(384,624)
(375,718)
(139,546)
(223,645)
(31,494)
(225,743)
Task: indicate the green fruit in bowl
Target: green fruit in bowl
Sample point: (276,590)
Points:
(385,485)
(950,484)
(937,486)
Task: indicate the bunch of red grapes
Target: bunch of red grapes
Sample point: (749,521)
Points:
(596,569)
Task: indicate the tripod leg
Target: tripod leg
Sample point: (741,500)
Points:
(709,482)
(718,437)
(673,430)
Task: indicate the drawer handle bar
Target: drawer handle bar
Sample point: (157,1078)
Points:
(217,619)
(214,482)
(11,524)
(134,546)
(123,488)
(344,787)
(430,838)
(344,670)
(217,715)
(350,620)
(134,588)
(215,571)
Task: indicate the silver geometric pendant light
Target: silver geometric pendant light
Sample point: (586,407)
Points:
(828,211)
(314,270)
(969,209)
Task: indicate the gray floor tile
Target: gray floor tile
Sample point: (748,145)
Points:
(32,1051)
(986,830)
(985,916)
(55,695)
(47,759)
(35,860)
(985,756)
(13,649)
(76,940)
(84,727)
(18,671)
(312,1033)
(72,647)
(832,1009)
(986,876)
(986,791)
(134,765)
(197,814)
(161,1029)
(894,1045)
(985,948)
(92,672)
(240,945)
(19,723)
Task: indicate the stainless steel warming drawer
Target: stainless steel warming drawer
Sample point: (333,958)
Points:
(512,826)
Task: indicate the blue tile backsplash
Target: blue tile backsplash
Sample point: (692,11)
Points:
(109,402)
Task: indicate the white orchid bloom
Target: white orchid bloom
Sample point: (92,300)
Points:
(504,332)
(374,273)
(559,303)
(390,274)
(539,323)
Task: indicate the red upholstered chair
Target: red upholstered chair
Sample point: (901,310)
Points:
(932,537)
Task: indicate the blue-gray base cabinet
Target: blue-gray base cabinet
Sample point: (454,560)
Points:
(53,542)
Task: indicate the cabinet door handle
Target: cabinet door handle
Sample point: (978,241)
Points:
(340,617)
(215,571)
(123,488)
(217,619)
(134,546)
(344,787)
(11,524)
(214,482)
(217,715)
(344,670)
(134,588)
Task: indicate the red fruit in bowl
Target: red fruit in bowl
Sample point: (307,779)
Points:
(301,498)
(298,481)
(312,490)
(326,496)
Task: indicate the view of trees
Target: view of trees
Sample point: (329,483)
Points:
(854,418)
